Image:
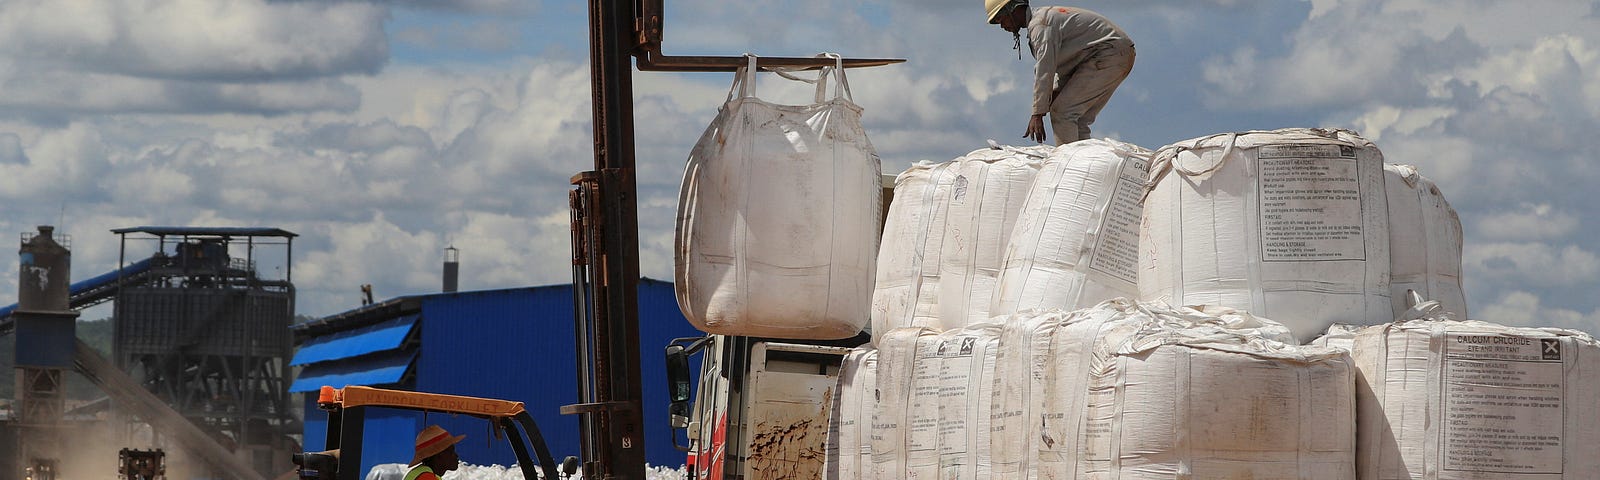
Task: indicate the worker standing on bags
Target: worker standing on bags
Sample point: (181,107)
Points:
(1080,58)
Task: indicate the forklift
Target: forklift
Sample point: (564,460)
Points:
(347,409)
(624,34)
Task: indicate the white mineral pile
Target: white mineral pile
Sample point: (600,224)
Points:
(1444,400)
(1289,224)
(397,471)
(1076,241)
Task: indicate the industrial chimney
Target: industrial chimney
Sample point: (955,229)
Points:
(452,268)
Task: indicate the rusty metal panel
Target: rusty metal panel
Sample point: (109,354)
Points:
(786,413)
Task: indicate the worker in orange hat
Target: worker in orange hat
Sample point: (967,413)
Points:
(1080,58)
(436,454)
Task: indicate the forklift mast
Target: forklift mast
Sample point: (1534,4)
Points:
(605,231)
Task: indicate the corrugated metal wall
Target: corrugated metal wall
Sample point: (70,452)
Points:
(518,345)
(515,344)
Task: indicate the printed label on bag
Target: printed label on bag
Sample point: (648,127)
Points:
(1502,405)
(1116,251)
(1309,199)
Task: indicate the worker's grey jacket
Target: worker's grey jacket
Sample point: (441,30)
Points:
(1061,37)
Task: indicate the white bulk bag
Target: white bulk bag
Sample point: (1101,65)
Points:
(1076,242)
(1288,224)
(1086,336)
(922,411)
(851,414)
(897,363)
(1424,242)
(945,236)
(1020,381)
(907,284)
(1457,400)
(989,190)
(1203,402)
(966,394)
(778,217)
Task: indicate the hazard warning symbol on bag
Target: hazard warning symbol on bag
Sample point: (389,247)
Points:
(1551,348)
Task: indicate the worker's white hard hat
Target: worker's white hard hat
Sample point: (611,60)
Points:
(997,7)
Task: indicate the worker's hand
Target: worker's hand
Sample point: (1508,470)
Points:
(1035,128)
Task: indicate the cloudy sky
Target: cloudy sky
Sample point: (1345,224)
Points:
(382,131)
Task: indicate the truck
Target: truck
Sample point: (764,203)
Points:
(761,406)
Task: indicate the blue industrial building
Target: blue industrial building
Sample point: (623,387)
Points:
(513,344)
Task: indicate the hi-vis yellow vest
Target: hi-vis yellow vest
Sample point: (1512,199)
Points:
(417,471)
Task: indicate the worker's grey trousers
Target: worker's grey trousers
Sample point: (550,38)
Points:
(1086,89)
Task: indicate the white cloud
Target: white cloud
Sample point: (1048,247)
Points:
(1529,223)
(11,149)
(1530,264)
(1522,308)
(62,61)
(197,39)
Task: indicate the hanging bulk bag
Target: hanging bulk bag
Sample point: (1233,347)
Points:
(1287,224)
(777,223)
(1424,242)
(1076,242)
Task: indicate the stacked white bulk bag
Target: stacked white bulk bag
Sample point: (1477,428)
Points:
(849,447)
(945,235)
(1081,347)
(1444,400)
(1022,367)
(990,187)
(897,363)
(1289,224)
(1424,242)
(922,411)
(777,226)
(907,283)
(966,394)
(1076,242)
(1219,405)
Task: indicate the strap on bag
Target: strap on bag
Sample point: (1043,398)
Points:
(744,79)
(841,83)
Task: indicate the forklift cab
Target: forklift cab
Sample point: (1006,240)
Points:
(347,406)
